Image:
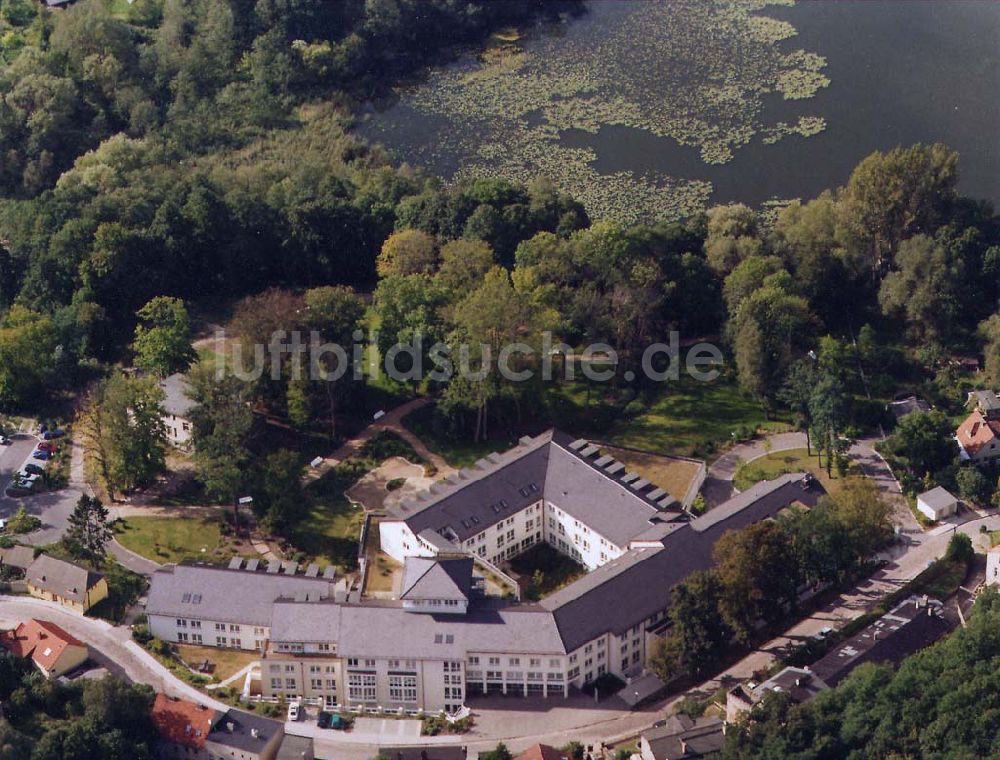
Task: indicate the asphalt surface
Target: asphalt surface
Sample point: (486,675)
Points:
(53,508)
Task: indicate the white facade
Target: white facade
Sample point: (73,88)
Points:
(993,566)
(204,632)
(937,504)
(178,430)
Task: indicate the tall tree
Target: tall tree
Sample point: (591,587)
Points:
(89,530)
(163,338)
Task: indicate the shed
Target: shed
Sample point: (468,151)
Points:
(937,503)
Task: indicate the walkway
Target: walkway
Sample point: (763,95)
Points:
(393,422)
(719,483)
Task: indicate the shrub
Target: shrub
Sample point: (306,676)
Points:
(22,522)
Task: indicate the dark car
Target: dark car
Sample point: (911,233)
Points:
(40,454)
(34,469)
(49,435)
(323,721)
(49,446)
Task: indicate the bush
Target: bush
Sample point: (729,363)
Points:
(22,522)
(395,484)
(960,549)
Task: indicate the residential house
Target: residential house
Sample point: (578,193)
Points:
(177,406)
(295,748)
(244,736)
(66,583)
(195,732)
(15,561)
(978,439)
(800,684)
(543,752)
(54,651)
(908,627)
(993,566)
(909,405)
(430,752)
(183,728)
(681,737)
(986,402)
(937,504)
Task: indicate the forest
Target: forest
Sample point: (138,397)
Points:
(202,150)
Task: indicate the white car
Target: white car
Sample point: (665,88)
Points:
(824,632)
(293,711)
(5,441)
(27,477)
(3,526)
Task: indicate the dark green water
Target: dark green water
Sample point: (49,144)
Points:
(902,71)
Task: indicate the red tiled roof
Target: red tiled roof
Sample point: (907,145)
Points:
(42,641)
(976,432)
(542,752)
(181,722)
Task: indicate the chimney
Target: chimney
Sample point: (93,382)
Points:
(254,733)
(230,726)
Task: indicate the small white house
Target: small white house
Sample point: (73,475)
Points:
(937,504)
(177,406)
(993,566)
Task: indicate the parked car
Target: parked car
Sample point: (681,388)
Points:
(823,633)
(42,455)
(5,441)
(3,525)
(49,446)
(15,490)
(323,721)
(293,711)
(27,477)
(34,469)
(49,435)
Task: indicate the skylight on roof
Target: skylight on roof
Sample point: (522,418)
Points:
(196,599)
(186,599)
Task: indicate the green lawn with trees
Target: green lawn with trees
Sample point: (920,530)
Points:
(172,539)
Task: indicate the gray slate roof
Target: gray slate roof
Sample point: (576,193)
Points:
(230,596)
(387,630)
(241,737)
(548,466)
(176,401)
(937,498)
(65,579)
(18,556)
(682,737)
(425,578)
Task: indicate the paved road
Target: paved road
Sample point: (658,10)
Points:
(111,647)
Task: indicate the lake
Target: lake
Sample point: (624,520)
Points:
(653,110)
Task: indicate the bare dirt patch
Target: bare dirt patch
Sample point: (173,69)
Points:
(372,490)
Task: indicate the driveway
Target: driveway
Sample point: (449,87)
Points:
(718,485)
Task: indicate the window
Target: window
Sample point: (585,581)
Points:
(402,688)
(276,684)
(554,663)
(316,683)
(221,641)
(195,624)
(289,683)
(323,647)
(182,636)
(196,638)
(535,662)
(234,628)
(361,687)
(515,660)
(352,662)
(220,626)
(473,660)
(494,660)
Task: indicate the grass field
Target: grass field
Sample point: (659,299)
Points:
(556,570)
(172,539)
(781,462)
(329,533)
(674,476)
(227,661)
(691,418)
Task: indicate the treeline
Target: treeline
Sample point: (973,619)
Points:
(941,702)
(761,570)
(45,719)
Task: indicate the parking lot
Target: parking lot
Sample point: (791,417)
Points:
(52,508)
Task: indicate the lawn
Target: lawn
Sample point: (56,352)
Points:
(782,462)
(545,570)
(692,418)
(227,662)
(172,539)
(329,533)
(674,476)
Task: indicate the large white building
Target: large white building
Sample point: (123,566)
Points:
(441,640)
